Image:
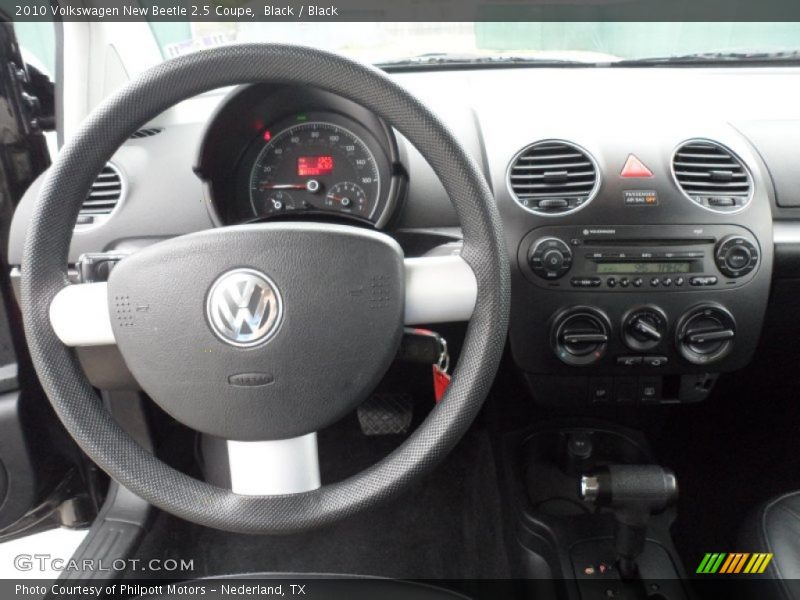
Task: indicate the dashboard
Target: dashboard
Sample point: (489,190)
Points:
(645,221)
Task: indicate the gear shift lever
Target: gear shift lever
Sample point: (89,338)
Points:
(634,493)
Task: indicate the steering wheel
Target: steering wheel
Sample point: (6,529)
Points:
(261,334)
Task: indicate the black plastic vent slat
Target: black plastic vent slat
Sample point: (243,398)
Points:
(535,176)
(550,186)
(706,169)
(545,166)
(146,132)
(705,165)
(104,195)
(707,174)
(552,170)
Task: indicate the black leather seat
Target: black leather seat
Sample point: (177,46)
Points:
(775,527)
(330,587)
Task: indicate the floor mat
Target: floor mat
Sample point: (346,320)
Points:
(446,526)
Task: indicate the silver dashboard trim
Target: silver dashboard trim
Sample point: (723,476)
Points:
(786,232)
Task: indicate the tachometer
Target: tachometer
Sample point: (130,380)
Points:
(318,165)
(346,195)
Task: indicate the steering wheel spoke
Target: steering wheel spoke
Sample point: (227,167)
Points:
(274,467)
(80,316)
(438,289)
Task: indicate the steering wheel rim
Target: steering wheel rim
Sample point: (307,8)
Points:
(44,274)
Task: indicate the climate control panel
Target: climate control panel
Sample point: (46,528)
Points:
(637,311)
(703,335)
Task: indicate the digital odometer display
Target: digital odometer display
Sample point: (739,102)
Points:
(314,165)
(644,267)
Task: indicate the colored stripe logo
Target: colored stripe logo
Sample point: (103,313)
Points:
(733,563)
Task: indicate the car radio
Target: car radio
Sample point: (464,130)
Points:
(636,257)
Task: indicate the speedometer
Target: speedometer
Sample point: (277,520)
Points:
(314,165)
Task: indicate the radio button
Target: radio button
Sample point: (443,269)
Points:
(736,256)
(655,282)
(611,282)
(666,282)
(624,282)
(553,260)
(638,282)
(550,258)
(585,282)
(703,280)
(679,281)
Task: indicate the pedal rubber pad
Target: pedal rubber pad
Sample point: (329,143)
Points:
(386,414)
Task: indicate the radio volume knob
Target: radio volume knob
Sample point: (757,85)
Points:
(736,256)
(550,258)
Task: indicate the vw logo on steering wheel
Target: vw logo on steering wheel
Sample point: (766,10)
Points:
(244,308)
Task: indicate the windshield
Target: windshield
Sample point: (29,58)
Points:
(573,41)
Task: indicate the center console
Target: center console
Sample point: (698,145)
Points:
(636,285)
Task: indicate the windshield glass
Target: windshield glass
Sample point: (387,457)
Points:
(574,41)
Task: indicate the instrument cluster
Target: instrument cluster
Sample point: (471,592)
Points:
(291,153)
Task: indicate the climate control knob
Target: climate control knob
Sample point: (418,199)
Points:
(550,258)
(736,256)
(705,334)
(644,328)
(580,335)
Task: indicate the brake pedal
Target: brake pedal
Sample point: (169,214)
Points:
(386,414)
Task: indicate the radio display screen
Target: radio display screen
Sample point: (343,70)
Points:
(644,267)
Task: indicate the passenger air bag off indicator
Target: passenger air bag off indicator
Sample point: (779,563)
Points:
(640,198)
(635,168)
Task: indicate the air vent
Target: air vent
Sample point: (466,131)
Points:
(146,132)
(103,198)
(712,176)
(553,177)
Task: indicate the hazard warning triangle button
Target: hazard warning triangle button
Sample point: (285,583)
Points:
(635,168)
